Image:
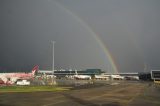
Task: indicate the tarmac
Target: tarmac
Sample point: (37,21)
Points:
(123,93)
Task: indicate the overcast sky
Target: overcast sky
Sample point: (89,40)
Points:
(129,29)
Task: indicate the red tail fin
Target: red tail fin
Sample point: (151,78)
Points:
(35,68)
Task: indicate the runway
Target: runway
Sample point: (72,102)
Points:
(122,94)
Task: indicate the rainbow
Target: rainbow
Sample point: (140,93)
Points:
(96,37)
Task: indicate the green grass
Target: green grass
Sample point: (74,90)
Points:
(32,88)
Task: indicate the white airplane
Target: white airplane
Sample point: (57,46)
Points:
(105,77)
(81,76)
(11,78)
(117,77)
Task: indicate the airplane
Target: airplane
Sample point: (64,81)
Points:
(81,76)
(102,77)
(11,78)
(117,77)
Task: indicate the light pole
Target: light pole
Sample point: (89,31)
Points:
(53,81)
(53,42)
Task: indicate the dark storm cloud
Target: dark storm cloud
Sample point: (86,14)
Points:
(129,29)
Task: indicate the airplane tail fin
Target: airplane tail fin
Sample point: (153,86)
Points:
(35,68)
(76,72)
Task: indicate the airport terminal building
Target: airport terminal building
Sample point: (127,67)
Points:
(72,72)
(94,72)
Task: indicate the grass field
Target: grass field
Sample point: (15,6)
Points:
(32,88)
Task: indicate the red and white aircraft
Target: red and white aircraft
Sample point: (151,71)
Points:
(11,78)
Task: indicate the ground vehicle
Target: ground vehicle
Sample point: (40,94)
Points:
(23,82)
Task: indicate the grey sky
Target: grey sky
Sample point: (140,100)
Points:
(129,29)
